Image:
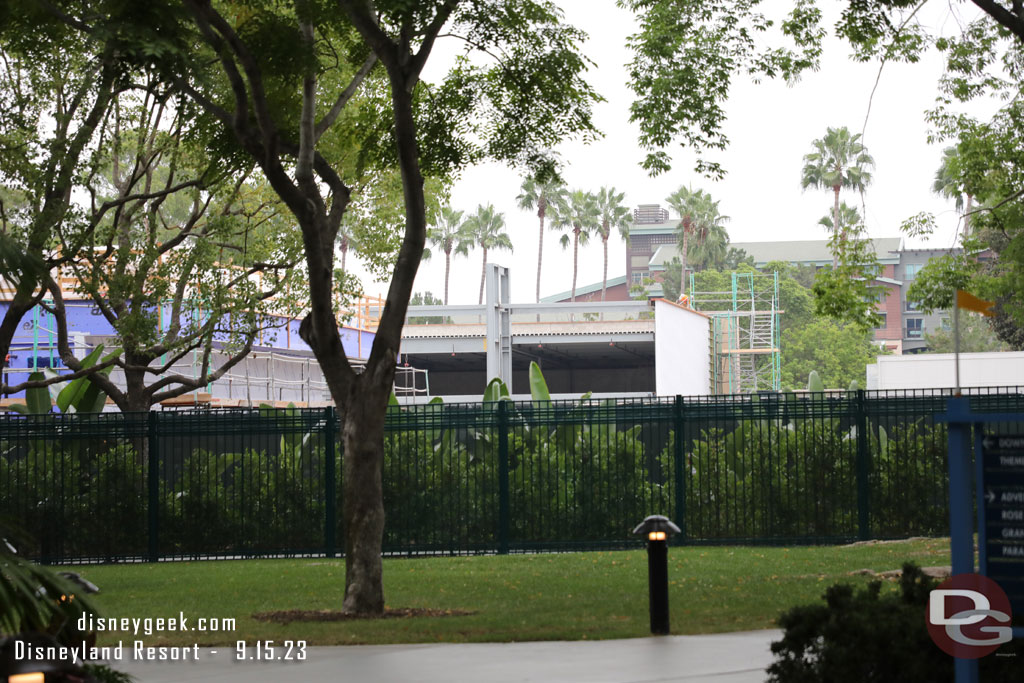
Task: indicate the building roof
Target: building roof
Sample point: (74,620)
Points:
(585,289)
(792,251)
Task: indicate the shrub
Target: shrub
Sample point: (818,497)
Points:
(861,636)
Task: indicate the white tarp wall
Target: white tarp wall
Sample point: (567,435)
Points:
(682,350)
(936,370)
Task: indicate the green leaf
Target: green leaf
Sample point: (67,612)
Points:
(496,390)
(37,398)
(437,400)
(814,382)
(69,395)
(538,385)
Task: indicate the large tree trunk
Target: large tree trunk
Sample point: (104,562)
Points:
(483,276)
(835,225)
(363,506)
(447,269)
(541,207)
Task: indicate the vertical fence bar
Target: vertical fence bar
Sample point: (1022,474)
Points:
(679,470)
(863,469)
(503,487)
(153,475)
(330,523)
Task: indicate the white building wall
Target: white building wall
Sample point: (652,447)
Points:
(682,350)
(936,370)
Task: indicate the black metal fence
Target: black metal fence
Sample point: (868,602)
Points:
(480,478)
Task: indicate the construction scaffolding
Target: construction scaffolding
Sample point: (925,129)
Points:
(745,329)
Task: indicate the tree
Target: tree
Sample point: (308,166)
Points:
(578,214)
(486,229)
(947,185)
(540,194)
(685,55)
(838,352)
(177,255)
(710,248)
(449,234)
(425,299)
(849,217)
(57,87)
(672,285)
(698,216)
(838,161)
(976,335)
(318,96)
(611,214)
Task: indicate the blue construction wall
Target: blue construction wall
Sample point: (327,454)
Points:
(35,343)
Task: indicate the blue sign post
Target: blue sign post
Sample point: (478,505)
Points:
(962,422)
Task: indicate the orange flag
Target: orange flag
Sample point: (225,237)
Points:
(972,303)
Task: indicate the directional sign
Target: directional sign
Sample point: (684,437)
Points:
(1003,492)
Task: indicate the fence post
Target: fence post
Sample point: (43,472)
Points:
(680,471)
(330,488)
(153,477)
(503,494)
(863,469)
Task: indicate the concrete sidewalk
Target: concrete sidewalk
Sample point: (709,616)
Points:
(720,658)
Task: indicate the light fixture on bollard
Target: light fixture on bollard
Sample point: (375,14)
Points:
(657,528)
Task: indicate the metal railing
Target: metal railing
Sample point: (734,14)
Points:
(484,478)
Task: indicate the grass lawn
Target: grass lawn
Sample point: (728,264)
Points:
(518,597)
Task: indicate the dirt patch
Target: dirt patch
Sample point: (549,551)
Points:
(288,616)
(934,572)
(893,541)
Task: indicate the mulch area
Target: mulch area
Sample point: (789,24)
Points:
(288,616)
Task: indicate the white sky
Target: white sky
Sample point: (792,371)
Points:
(771,127)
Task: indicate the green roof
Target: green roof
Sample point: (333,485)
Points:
(795,251)
(585,289)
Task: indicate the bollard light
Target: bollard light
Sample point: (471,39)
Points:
(658,529)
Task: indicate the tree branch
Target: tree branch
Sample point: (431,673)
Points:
(328,120)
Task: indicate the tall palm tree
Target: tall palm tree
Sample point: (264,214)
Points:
(578,215)
(540,194)
(838,161)
(449,233)
(486,229)
(612,215)
(698,216)
(946,184)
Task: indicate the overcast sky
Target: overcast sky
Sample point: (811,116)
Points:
(771,127)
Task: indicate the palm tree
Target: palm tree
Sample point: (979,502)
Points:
(346,240)
(485,229)
(449,233)
(712,244)
(699,216)
(578,214)
(540,194)
(946,184)
(612,214)
(838,161)
(848,218)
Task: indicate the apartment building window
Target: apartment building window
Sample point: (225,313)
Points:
(636,277)
(946,325)
(911,270)
(915,328)
(913,305)
(885,321)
